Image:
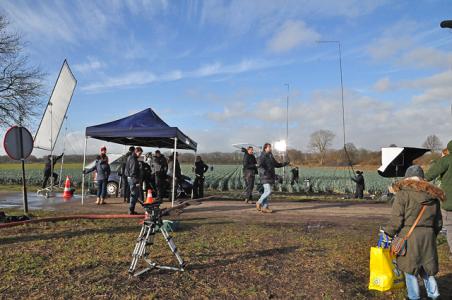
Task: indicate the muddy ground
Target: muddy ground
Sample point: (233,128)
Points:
(307,249)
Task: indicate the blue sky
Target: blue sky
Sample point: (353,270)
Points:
(218,69)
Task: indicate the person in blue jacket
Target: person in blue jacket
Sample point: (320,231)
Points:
(102,169)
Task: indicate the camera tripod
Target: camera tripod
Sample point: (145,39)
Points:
(152,224)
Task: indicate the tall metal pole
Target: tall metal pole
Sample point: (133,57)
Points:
(342,84)
(287,114)
(287,129)
(83,175)
(22,159)
(194,165)
(51,148)
(64,150)
(342,91)
(174,172)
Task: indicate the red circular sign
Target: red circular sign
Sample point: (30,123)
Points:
(18,143)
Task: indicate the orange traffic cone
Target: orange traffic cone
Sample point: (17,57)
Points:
(149,199)
(67,193)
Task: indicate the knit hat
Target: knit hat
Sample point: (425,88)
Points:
(414,171)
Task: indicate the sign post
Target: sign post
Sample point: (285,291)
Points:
(18,144)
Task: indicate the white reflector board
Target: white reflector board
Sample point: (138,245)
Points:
(388,155)
(53,117)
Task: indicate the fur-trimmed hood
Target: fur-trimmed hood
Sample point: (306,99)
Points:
(419,185)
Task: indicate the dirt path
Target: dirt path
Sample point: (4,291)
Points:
(219,208)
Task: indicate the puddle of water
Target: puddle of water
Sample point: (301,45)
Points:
(15,200)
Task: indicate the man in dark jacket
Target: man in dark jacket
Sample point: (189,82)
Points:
(295,175)
(442,170)
(146,177)
(160,167)
(132,171)
(267,164)
(249,172)
(49,167)
(125,190)
(421,258)
(198,185)
(360,185)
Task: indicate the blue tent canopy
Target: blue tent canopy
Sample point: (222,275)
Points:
(144,128)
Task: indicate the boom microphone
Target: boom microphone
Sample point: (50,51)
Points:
(446,24)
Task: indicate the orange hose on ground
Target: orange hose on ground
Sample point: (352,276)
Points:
(65,218)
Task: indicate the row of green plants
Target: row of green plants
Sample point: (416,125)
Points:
(230,178)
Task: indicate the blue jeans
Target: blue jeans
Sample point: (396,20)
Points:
(134,193)
(412,286)
(101,188)
(263,200)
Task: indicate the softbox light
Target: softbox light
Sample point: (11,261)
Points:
(395,160)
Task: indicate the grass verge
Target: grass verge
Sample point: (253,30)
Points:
(89,259)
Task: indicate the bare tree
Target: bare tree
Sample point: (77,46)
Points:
(433,143)
(20,84)
(350,153)
(320,141)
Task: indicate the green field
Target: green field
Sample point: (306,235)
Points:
(222,178)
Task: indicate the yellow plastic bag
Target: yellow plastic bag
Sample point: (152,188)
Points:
(384,274)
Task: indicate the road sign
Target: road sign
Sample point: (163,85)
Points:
(18,143)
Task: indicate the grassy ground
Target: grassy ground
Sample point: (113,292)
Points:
(226,259)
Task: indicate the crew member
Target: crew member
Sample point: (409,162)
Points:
(132,171)
(198,185)
(442,169)
(103,153)
(249,172)
(145,175)
(102,169)
(125,190)
(160,167)
(360,186)
(49,167)
(295,175)
(267,165)
(177,174)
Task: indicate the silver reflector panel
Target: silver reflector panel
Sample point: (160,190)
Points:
(53,117)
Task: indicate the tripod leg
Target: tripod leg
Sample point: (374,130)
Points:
(173,248)
(140,246)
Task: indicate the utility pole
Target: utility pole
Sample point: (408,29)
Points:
(287,128)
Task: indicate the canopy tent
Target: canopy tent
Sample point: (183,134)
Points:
(395,160)
(145,129)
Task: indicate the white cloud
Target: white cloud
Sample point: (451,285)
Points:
(231,111)
(138,78)
(91,65)
(382,85)
(425,57)
(387,47)
(74,21)
(433,88)
(264,15)
(291,35)
(370,122)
